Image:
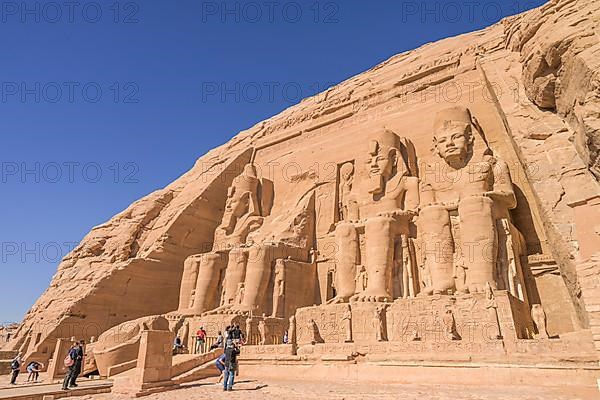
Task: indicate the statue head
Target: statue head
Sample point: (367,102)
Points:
(239,200)
(384,154)
(453,135)
(346,171)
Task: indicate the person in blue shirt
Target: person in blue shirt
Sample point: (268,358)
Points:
(220,364)
(76,356)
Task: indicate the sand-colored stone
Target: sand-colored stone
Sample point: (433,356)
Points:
(441,206)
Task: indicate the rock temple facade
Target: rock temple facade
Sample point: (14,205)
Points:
(442,208)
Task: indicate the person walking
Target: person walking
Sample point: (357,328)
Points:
(78,363)
(74,362)
(70,364)
(231,353)
(15,367)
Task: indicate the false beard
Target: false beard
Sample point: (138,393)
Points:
(376,184)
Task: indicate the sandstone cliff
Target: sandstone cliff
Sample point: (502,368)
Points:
(538,75)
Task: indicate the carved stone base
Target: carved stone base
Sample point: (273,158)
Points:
(215,323)
(431,319)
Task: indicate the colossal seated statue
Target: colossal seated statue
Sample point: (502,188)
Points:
(234,277)
(466,194)
(249,201)
(378,196)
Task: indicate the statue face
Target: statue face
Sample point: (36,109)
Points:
(452,141)
(236,204)
(381,163)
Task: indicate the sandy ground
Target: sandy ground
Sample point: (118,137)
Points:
(283,390)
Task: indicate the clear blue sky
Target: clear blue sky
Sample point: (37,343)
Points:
(104,102)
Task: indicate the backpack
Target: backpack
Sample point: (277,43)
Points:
(69,361)
(15,364)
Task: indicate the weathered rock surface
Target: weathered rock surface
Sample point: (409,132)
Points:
(532,83)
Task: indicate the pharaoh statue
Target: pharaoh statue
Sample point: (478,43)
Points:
(466,185)
(380,201)
(291,241)
(262,331)
(278,286)
(346,323)
(491,306)
(249,200)
(378,323)
(450,332)
(252,257)
(539,319)
(347,206)
(249,330)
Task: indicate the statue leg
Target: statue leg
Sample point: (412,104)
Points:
(346,240)
(205,295)
(438,247)
(276,298)
(479,241)
(234,275)
(397,282)
(258,273)
(188,281)
(379,235)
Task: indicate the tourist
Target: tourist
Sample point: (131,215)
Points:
(78,363)
(236,334)
(285,337)
(231,353)
(220,364)
(177,346)
(71,364)
(34,369)
(227,335)
(15,367)
(200,339)
(218,343)
(242,336)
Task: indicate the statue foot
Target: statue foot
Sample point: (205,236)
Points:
(337,300)
(428,291)
(238,310)
(370,298)
(218,310)
(477,288)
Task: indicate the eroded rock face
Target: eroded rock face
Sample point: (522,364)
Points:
(341,199)
(560,54)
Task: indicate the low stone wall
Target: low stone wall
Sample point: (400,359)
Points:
(422,316)
(450,373)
